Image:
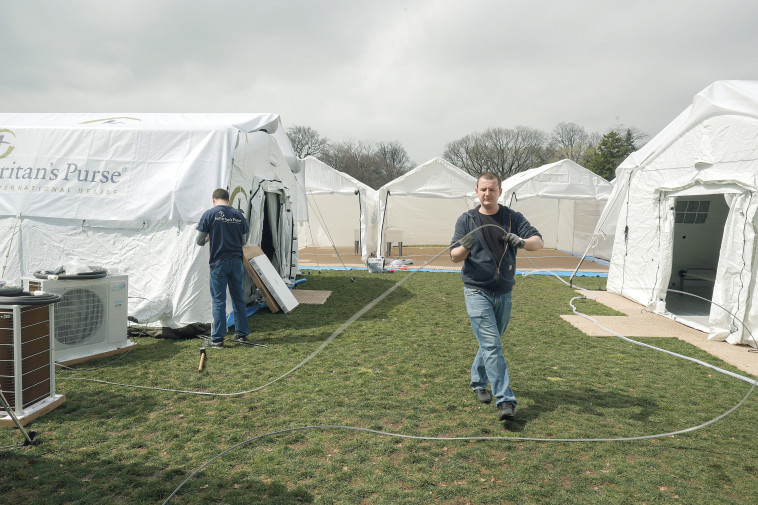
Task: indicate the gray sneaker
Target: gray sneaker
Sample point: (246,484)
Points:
(217,345)
(506,411)
(483,395)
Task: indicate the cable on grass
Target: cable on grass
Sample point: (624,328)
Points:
(753,382)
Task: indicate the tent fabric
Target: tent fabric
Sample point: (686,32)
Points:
(141,222)
(563,200)
(708,153)
(105,166)
(338,207)
(422,205)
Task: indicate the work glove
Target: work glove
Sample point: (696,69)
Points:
(467,241)
(513,240)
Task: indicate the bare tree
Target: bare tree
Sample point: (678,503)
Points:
(306,141)
(392,159)
(571,141)
(500,150)
(355,158)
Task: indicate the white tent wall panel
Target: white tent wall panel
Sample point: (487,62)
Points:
(331,215)
(338,204)
(543,214)
(709,149)
(164,281)
(424,204)
(585,216)
(424,221)
(571,193)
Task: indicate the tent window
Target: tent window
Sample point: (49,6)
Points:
(691,211)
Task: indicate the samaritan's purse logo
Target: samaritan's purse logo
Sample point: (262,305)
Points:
(113,120)
(5,151)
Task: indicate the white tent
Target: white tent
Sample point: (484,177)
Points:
(563,200)
(683,211)
(341,210)
(125,191)
(421,206)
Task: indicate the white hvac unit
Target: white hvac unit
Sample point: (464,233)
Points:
(91,318)
(27,374)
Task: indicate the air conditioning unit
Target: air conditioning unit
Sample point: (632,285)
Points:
(27,373)
(91,318)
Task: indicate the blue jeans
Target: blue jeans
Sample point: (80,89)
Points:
(489,316)
(229,273)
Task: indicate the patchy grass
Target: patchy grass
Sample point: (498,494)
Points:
(403,368)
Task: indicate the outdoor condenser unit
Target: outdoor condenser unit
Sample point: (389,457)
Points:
(90,319)
(27,371)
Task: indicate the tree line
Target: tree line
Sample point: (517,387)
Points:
(504,151)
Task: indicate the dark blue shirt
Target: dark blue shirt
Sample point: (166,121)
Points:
(485,269)
(226,227)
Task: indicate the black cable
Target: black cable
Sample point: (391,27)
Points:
(60,274)
(26,298)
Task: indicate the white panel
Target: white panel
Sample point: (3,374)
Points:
(274,283)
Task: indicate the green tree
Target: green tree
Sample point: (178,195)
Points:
(613,148)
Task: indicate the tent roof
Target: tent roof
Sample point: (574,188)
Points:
(562,179)
(320,178)
(242,121)
(246,122)
(437,178)
(739,98)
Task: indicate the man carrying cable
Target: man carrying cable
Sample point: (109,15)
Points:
(225,227)
(486,239)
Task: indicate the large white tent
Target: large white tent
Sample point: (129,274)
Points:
(421,206)
(683,212)
(125,191)
(563,200)
(341,210)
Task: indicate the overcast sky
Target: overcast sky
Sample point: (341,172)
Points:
(423,73)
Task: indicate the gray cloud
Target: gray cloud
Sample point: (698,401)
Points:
(420,72)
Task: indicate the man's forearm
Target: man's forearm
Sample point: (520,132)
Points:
(201,238)
(458,254)
(533,243)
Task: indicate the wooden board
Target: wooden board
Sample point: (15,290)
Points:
(251,252)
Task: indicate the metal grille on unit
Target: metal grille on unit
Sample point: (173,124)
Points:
(27,374)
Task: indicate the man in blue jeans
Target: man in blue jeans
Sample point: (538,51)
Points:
(225,227)
(486,239)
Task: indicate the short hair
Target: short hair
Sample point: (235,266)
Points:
(221,194)
(490,176)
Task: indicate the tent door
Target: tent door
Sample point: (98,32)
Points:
(272,220)
(699,223)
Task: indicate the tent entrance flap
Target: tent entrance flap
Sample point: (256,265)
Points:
(271,224)
(699,223)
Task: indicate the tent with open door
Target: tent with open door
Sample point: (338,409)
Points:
(125,192)
(341,210)
(421,206)
(563,200)
(683,212)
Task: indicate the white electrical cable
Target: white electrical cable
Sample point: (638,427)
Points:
(517,439)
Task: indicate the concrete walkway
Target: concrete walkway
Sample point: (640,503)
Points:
(638,322)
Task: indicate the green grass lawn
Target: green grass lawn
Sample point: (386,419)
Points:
(403,368)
